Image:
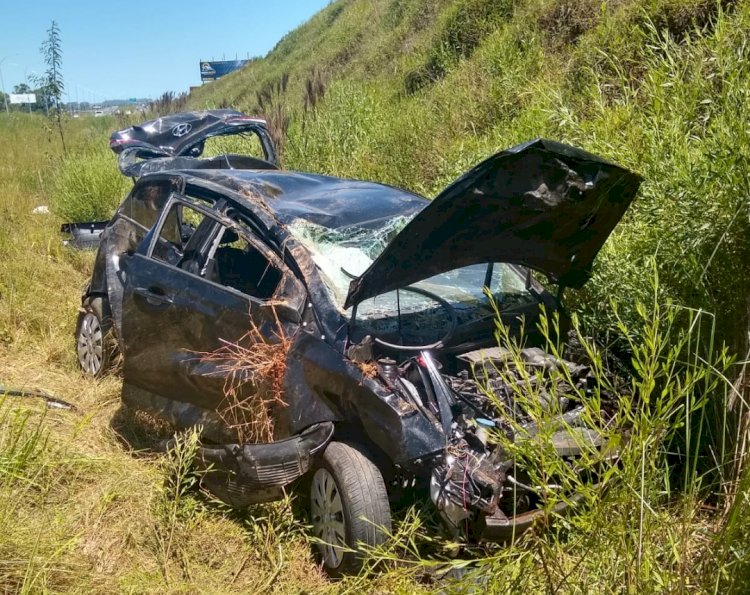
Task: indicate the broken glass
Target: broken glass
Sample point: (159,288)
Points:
(342,254)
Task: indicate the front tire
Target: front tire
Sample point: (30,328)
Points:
(348,508)
(95,346)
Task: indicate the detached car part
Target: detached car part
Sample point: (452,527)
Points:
(84,236)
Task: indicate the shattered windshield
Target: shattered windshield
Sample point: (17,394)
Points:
(346,252)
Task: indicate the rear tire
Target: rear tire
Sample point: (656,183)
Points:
(95,345)
(348,506)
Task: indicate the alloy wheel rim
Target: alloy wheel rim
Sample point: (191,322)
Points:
(328,522)
(90,344)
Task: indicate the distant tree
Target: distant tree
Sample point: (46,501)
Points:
(22,88)
(52,80)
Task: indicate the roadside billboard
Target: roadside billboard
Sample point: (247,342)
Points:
(210,70)
(22,98)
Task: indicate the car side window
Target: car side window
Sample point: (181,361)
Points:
(180,223)
(243,266)
(508,286)
(205,247)
(146,202)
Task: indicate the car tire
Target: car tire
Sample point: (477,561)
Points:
(95,345)
(348,507)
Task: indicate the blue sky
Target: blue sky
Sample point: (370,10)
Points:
(117,50)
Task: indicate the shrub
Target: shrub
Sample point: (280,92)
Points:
(468,22)
(681,17)
(88,186)
(567,20)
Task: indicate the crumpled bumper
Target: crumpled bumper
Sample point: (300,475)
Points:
(244,474)
(500,528)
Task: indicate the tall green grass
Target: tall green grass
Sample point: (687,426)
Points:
(87,186)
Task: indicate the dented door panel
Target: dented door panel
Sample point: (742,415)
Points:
(169,317)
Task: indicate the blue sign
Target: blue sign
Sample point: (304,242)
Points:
(210,71)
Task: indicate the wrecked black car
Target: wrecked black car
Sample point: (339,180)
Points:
(330,331)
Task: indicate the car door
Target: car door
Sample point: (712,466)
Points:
(179,304)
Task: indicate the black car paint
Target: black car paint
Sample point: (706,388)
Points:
(183,135)
(542,205)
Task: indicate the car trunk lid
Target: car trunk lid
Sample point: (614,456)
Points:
(181,134)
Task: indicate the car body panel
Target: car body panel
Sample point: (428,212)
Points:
(163,340)
(176,141)
(542,205)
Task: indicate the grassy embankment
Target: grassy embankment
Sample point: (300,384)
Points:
(413,93)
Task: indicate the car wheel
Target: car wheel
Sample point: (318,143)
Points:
(94,344)
(348,507)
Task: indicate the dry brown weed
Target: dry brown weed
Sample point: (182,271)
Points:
(254,367)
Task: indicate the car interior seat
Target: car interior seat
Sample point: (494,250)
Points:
(246,270)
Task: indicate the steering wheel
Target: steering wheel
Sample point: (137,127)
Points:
(444,304)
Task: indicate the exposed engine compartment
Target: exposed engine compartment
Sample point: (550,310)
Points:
(476,398)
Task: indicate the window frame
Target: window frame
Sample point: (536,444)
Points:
(140,187)
(215,214)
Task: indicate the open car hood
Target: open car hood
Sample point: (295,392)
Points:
(182,135)
(541,204)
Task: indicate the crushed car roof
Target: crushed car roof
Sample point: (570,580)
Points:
(325,200)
